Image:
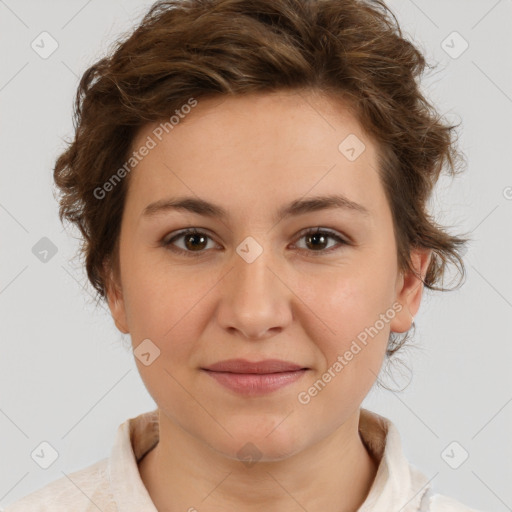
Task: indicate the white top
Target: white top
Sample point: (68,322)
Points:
(114,484)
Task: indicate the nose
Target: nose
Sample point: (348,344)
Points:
(255,300)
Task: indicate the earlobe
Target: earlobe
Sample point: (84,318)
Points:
(116,304)
(410,290)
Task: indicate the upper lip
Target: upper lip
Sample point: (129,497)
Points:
(245,366)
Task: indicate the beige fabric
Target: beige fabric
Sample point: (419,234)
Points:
(113,484)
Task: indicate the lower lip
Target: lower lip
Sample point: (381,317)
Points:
(255,383)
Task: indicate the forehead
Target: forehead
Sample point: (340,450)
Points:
(243,149)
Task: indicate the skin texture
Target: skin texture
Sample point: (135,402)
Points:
(297,301)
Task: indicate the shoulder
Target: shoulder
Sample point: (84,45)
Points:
(82,491)
(441,503)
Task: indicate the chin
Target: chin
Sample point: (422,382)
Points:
(251,443)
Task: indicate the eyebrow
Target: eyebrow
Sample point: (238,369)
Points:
(296,207)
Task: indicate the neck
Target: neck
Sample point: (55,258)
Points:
(181,473)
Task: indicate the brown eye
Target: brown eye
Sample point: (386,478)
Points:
(193,242)
(316,241)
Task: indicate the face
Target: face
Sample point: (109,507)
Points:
(317,286)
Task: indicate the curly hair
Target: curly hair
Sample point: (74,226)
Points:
(348,49)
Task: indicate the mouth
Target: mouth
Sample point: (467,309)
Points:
(260,367)
(255,378)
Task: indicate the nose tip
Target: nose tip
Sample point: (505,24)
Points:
(249,330)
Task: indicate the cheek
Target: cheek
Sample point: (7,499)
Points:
(345,302)
(351,340)
(165,303)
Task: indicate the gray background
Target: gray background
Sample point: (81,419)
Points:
(67,376)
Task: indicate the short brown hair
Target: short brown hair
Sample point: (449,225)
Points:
(349,49)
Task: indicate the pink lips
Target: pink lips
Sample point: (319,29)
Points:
(255,378)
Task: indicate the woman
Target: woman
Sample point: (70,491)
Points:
(251,181)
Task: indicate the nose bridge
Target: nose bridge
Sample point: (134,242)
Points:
(252,270)
(254,301)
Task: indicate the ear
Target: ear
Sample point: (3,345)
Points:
(410,289)
(115,300)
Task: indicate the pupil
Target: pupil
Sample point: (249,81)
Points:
(190,239)
(316,236)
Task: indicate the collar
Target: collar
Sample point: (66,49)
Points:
(397,482)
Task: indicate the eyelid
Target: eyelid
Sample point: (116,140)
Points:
(186,231)
(332,232)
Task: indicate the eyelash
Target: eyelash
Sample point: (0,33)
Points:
(168,244)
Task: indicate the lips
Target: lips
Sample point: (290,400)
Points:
(261,367)
(255,378)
